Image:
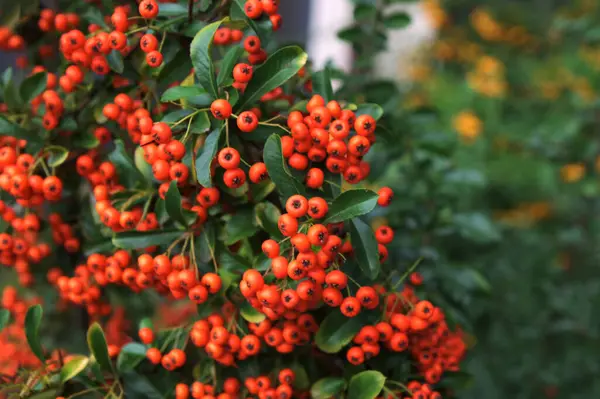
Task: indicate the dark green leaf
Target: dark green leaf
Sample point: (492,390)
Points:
(130,356)
(139,386)
(327,387)
(262,28)
(203,162)
(369,109)
(366,385)
(281,66)
(397,20)
(94,16)
(140,163)
(365,247)
(33,319)
(336,331)
(322,84)
(73,368)
(365,11)
(229,61)
(205,243)
(239,226)
(350,204)
(137,240)
(85,139)
(33,86)
(267,215)
(250,314)
(181,92)
(11,13)
(128,173)
(172,10)
(12,129)
(200,52)
(352,34)
(173,204)
(261,190)
(4,318)
(177,69)
(98,347)
(278,170)
(115,61)
(477,227)
(56,155)
(200,124)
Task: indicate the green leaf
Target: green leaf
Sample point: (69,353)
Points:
(262,28)
(205,242)
(172,10)
(366,385)
(181,92)
(476,227)
(140,163)
(140,386)
(10,15)
(57,155)
(129,175)
(229,61)
(369,109)
(397,20)
(94,16)
(4,318)
(351,34)
(33,319)
(73,368)
(135,240)
(173,204)
(365,247)
(115,61)
(322,84)
(85,139)
(239,226)
(250,314)
(336,331)
(12,129)
(365,11)
(327,387)
(200,124)
(278,170)
(261,190)
(98,347)
(200,52)
(204,161)
(33,86)
(280,67)
(267,215)
(130,356)
(350,204)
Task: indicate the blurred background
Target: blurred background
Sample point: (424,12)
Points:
(495,165)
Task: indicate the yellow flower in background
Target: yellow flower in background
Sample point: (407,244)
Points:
(490,66)
(436,14)
(572,172)
(444,51)
(468,125)
(486,26)
(488,77)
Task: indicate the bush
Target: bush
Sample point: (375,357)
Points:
(202,226)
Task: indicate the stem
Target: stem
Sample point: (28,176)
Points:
(407,273)
(400,385)
(212,253)
(389,392)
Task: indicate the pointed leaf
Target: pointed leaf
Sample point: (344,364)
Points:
(369,109)
(98,347)
(200,52)
(135,240)
(285,182)
(57,155)
(365,247)
(33,86)
(281,66)
(350,204)
(33,319)
(366,385)
(336,331)
(73,368)
(205,159)
(327,387)
(229,61)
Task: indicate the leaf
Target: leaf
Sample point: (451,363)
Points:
(98,347)
(181,92)
(140,163)
(250,314)
(397,20)
(278,171)
(350,204)
(33,86)
(173,204)
(262,28)
(73,368)
(365,247)
(267,215)
(94,16)
(9,128)
(261,190)
(4,318)
(200,124)
(205,242)
(57,155)
(369,109)
(327,387)
(172,10)
(135,240)
(240,226)
(280,67)
(322,84)
(200,53)
(115,61)
(139,386)
(33,319)
(366,385)
(365,11)
(476,227)
(228,63)
(203,162)
(130,356)
(129,175)
(336,331)
(10,15)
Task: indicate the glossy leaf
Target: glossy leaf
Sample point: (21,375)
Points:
(365,247)
(336,331)
(33,320)
(10,128)
(285,182)
(204,161)
(351,204)
(369,109)
(128,173)
(267,215)
(140,163)
(130,356)
(239,226)
(397,20)
(57,155)
(173,204)
(327,387)
(73,368)
(250,314)
(181,92)
(33,86)
(200,123)
(281,66)
(135,240)
(115,61)
(229,61)
(98,347)
(366,385)
(200,52)
(172,10)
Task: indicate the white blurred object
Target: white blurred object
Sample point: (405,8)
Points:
(403,45)
(326,18)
